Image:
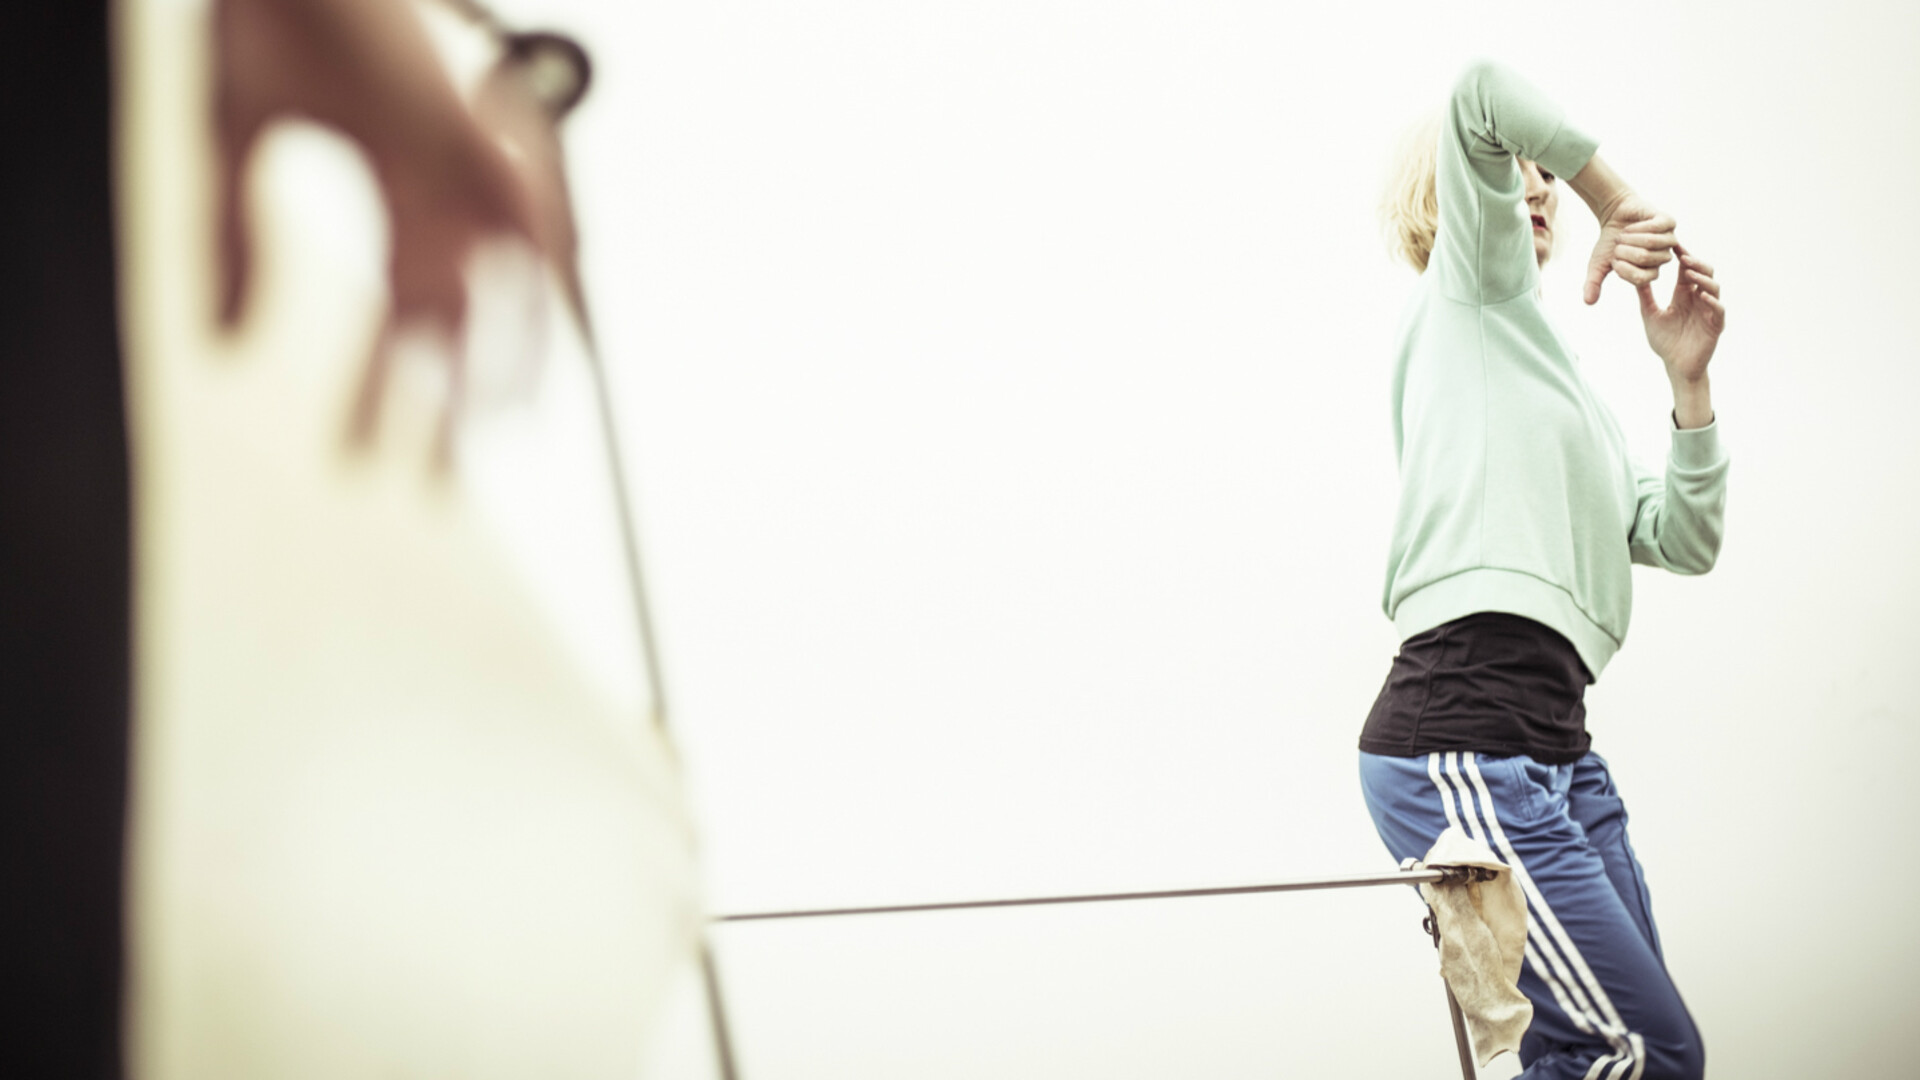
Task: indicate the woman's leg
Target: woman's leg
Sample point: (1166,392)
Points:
(1594,803)
(1604,1008)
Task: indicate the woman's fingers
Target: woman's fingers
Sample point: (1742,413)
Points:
(1635,241)
(1657,221)
(1641,256)
(1692,263)
(1657,239)
(1691,259)
(1706,282)
(1647,244)
(1634,275)
(1649,307)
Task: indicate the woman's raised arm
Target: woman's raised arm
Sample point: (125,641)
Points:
(1484,247)
(1483,250)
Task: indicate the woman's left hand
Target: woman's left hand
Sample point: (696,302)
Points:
(1684,333)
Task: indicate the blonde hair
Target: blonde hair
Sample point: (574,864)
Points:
(1410,206)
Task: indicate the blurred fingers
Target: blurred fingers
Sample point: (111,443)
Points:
(445,323)
(233,243)
(236,126)
(443,440)
(373,380)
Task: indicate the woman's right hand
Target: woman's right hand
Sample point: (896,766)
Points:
(1635,241)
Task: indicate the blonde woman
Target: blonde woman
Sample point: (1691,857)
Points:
(1508,578)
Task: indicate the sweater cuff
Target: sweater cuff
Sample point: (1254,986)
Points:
(1698,449)
(1568,152)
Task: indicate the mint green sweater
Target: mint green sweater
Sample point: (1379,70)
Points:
(1516,492)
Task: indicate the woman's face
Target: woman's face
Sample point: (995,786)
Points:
(1543,198)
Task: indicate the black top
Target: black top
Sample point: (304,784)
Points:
(65,554)
(1489,682)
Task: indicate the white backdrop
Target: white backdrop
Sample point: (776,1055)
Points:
(1006,382)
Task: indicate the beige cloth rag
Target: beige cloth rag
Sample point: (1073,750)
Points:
(1483,938)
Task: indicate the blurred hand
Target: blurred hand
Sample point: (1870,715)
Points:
(1635,241)
(1685,332)
(365,67)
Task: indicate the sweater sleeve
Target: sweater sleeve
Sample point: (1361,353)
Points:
(1681,515)
(1483,251)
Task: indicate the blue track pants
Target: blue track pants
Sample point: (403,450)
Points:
(1603,1005)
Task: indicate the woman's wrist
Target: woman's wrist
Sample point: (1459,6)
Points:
(1599,187)
(1692,403)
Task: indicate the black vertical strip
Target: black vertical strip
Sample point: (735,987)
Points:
(65,552)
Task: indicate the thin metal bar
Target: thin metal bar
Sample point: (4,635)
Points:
(643,616)
(1351,881)
(717,1014)
(1460,1043)
(656,680)
(629,528)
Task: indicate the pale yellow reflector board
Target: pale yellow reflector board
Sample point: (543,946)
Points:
(399,806)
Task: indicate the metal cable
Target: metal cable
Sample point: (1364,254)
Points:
(1350,881)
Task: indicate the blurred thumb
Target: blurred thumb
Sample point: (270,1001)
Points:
(1649,307)
(233,242)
